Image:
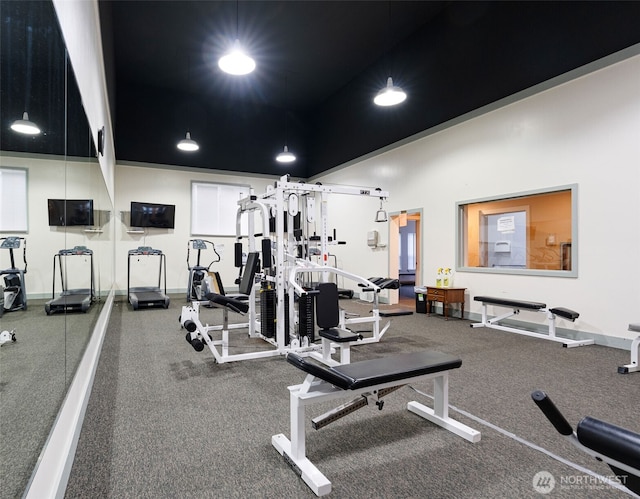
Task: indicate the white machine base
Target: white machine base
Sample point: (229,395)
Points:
(633,366)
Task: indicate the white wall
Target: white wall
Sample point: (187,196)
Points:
(160,185)
(586,131)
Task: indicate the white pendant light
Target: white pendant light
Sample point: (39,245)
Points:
(286,156)
(25,126)
(188,144)
(390,95)
(236,62)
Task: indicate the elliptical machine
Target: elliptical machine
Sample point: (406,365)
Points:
(198,272)
(15,293)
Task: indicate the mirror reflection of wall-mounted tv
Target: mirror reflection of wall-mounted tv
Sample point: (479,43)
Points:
(160,216)
(70,212)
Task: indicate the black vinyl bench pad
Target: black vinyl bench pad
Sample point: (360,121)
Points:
(242,307)
(378,371)
(610,440)
(565,312)
(530,305)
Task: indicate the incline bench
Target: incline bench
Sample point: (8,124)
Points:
(368,380)
(516,306)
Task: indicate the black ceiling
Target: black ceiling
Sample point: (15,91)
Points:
(319,64)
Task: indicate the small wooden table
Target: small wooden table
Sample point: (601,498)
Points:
(446,296)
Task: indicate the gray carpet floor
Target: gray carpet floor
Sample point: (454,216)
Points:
(35,373)
(166,421)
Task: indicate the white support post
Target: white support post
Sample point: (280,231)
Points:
(552,324)
(298,436)
(441,396)
(633,366)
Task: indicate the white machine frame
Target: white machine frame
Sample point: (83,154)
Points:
(315,390)
(494,323)
(633,366)
(292,198)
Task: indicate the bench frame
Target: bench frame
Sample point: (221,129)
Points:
(315,390)
(516,306)
(633,366)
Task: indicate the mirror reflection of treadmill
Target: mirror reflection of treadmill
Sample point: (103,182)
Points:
(79,299)
(148,296)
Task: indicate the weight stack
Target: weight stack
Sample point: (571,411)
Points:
(306,315)
(267,311)
(287,337)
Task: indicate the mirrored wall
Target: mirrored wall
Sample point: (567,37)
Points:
(56,268)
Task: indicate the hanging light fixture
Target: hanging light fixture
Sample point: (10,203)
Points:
(188,144)
(25,126)
(286,156)
(236,61)
(390,95)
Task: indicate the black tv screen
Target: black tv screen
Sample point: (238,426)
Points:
(160,216)
(70,212)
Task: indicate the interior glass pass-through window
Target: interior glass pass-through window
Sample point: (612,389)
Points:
(523,233)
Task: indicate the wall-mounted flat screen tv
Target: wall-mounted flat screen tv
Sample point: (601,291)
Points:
(70,212)
(160,216)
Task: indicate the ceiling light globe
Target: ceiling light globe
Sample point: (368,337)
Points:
(25,126)
(390,95)
(236,62)
(187,144)
(285,156)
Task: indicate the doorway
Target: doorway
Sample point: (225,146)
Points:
(405,255)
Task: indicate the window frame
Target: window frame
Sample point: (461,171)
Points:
(10,225)
(215,225)
(462,232)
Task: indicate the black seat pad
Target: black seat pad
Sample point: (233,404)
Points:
(531,305)
(373,372)
(339,335)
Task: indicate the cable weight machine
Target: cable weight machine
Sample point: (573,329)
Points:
(286,230)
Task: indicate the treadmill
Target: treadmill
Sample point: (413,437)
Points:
(71,300)
(148,296)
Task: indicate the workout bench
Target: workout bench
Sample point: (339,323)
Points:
(516,306)
(369,381)
(616,446)
(635,347)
